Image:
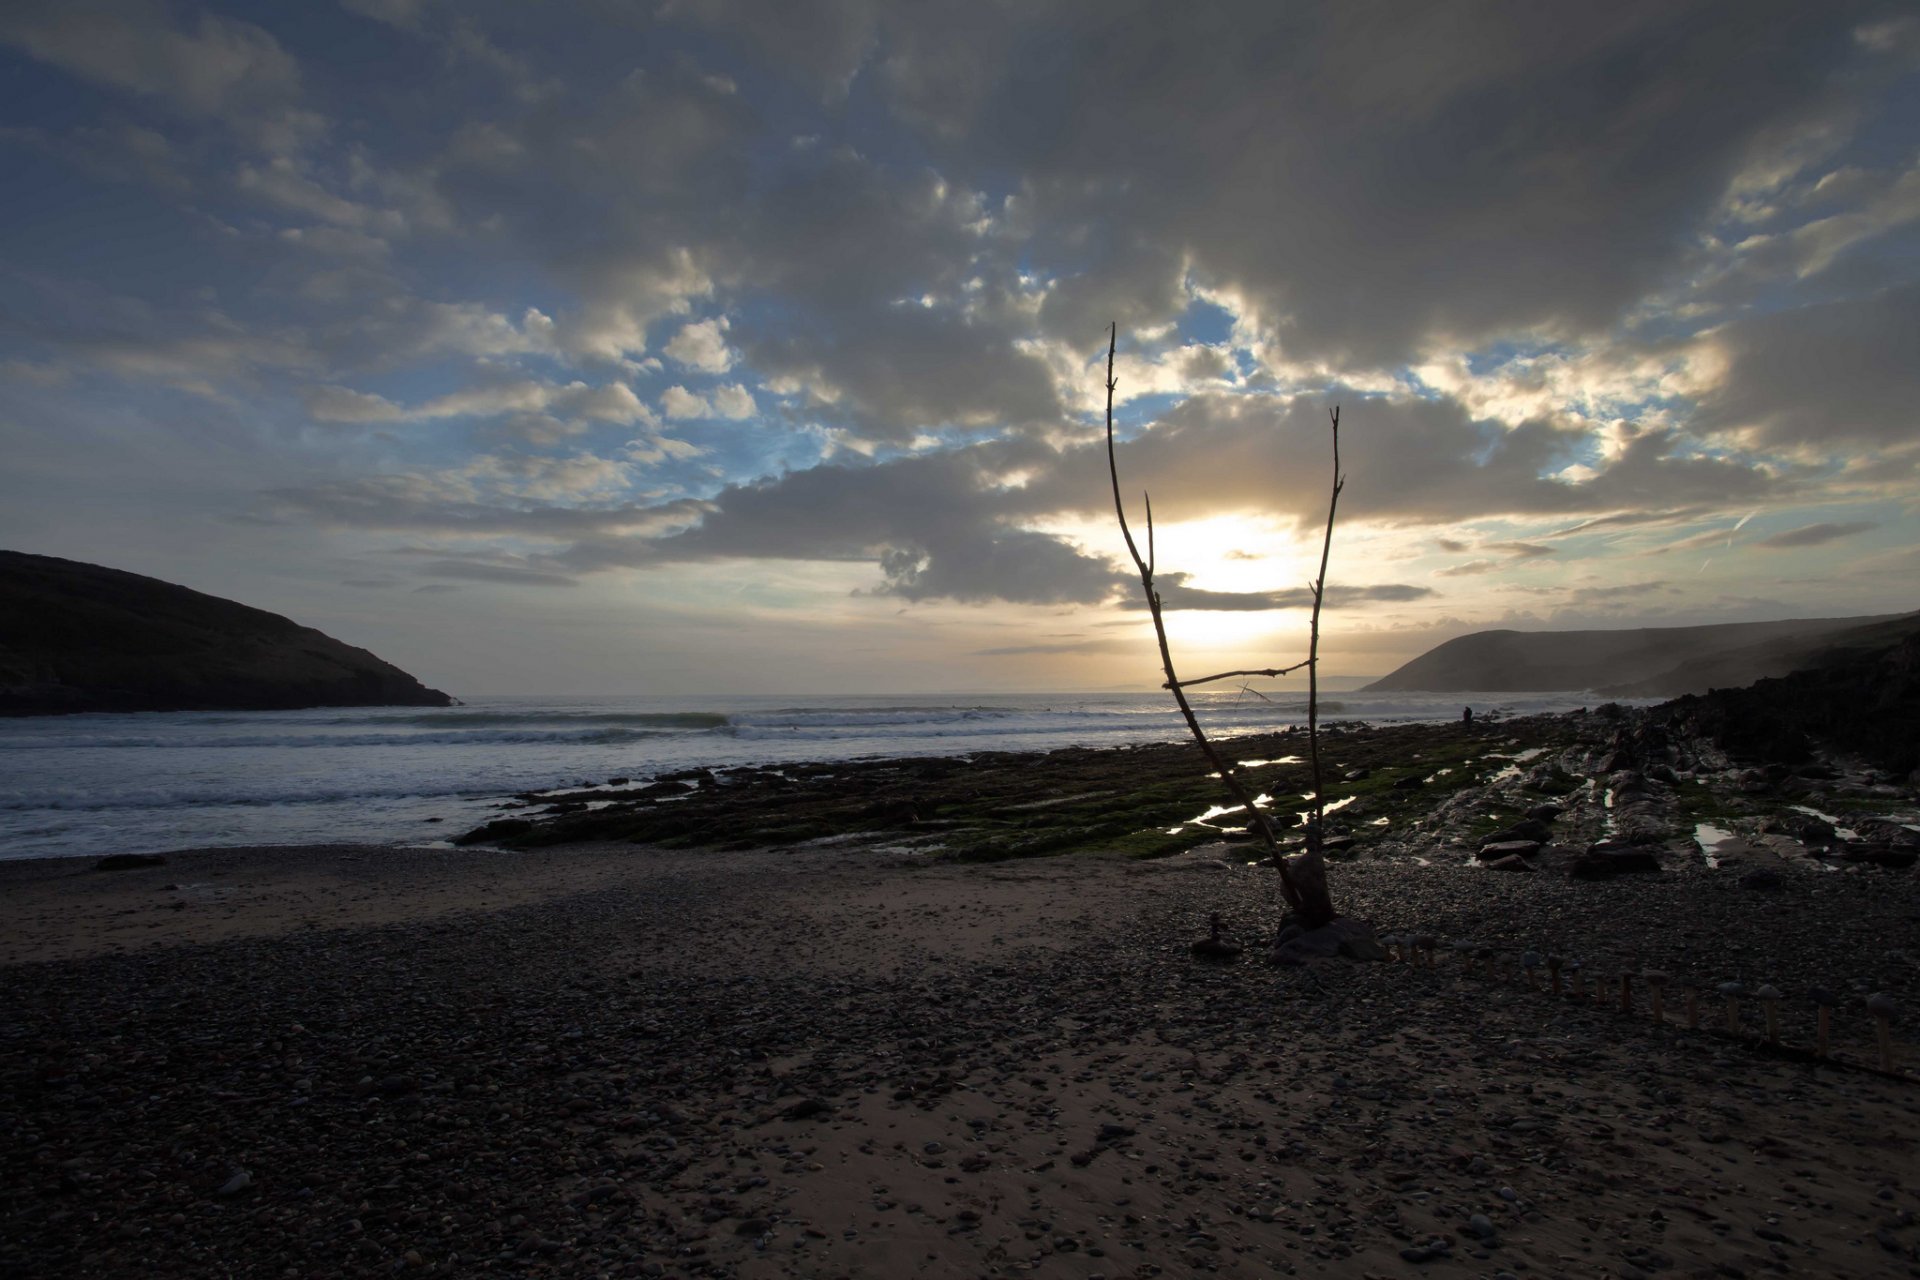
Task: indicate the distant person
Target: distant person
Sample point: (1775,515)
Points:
(1466,715)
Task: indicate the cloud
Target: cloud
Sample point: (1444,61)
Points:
(702,346)
(217,67)
(488,571)
(733,402)
(1089,646)
(1520,550)
(1816,535)
(344,404)
(1540,199)
(608,402)
(1822,374)
(1176,595)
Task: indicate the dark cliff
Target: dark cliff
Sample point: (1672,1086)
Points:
(80,637)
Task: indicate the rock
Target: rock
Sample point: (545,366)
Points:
(1604,860)
(1530,830)
(1362,947)
(233,1186)
(1803,827)
(1762,880)
(1546,812)
(130,861)
(1409,783)
(1343,937)
(806,1109)
(1501,849)
(1510,862)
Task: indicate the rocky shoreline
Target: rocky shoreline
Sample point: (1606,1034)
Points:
(1592,793)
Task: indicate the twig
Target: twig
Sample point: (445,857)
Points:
(1228,675)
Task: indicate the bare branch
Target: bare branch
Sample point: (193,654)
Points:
(1255,819)
(1316,835)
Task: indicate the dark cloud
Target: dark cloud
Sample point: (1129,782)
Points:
(1816,535)
(484,571)
(1373,179)
(1520,550)
(1835,372)
(1062,646)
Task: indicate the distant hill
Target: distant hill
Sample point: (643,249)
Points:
(1649,662)
(79,637)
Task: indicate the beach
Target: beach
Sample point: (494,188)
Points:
(829,1059)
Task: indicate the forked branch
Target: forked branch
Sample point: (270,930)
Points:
(1302,884)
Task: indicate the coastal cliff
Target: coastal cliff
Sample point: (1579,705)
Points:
(82,637)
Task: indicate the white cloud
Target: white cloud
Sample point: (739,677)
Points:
(609,402)
(732,401)
(701,346)
(678,402)
(344,404)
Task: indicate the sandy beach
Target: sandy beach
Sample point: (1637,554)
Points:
(827,1061)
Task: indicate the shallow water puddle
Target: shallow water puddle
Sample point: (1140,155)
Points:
(1206,819)
(1306,815)
(1710,838)
(1262,764)
(1839,829)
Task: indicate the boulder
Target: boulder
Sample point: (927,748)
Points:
(1501,850)
(1342,937)
(1604,860)
(1527,829)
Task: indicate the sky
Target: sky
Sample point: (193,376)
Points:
(715,345)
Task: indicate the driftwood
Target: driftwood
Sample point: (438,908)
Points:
(1303,876)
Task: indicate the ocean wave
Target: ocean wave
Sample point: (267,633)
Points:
(602,735)
(664,720)
(82,800)
(872,717)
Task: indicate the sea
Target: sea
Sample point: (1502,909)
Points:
(87,785)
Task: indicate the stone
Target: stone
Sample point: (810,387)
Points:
(130,861)
(1604,860)
(1530,830)
(1509,849)
(1762,880)
(1511,862)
